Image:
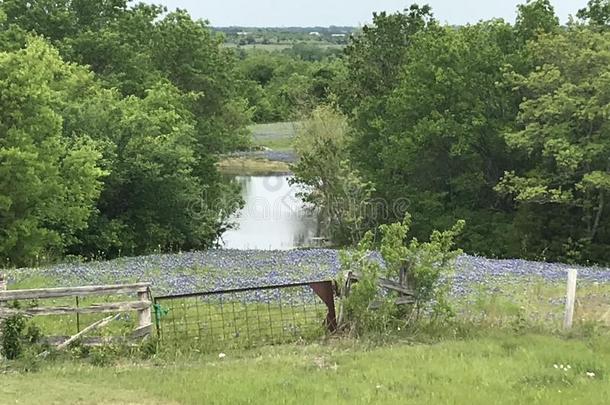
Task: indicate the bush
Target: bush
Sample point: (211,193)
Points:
(12,336)
(18,336)
(427,265)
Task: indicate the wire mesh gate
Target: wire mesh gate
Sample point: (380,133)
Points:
(246,317)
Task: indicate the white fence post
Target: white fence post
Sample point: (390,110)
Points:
(570,299)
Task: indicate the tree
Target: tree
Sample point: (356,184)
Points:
(164,100)
(159,186)
(596,13)
(535,17)
(376,55)
(133,47)
(374,61)
(435,139)
(49,180)
(194,60)
(331,184)
(563,131)
(428,265)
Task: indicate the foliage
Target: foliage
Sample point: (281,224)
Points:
(17,337)
(563,123)
(535,17)
(376,56)
(435,137)
(431,107)
(120,157)
(597,13)
(329,181)
(154,153)
(49,179)
(11,336)
(282,86)
(427,265)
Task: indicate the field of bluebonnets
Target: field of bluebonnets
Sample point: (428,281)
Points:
(481,286)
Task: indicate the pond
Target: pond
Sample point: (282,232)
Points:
(273,217)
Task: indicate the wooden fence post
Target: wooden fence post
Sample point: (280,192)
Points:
(144,316)
(570,299)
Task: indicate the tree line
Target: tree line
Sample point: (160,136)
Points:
(503,125)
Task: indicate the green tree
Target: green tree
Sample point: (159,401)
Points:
(435,139)
(563,131)
(331,184)
(376,55)
(159,184)
(427,267)
(194,60)
(596,13)
(49,179)
(133,47)
(535,17)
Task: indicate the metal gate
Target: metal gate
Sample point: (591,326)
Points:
(247,317)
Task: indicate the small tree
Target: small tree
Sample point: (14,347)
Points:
(331,184)
(428,264)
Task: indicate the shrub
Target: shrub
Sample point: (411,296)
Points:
(11,339)
(428,266)
(18,337)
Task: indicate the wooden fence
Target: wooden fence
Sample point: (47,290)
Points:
(406,295)
(142,305)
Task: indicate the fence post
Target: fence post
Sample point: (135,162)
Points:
(144,315)
(2,288)
(570,299)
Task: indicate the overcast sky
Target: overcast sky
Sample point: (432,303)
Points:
(283,13)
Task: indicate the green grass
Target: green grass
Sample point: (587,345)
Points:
(227,323)
(276,136)
(486,370)
(67,325)
(489,356)
(537,302)
(241,166)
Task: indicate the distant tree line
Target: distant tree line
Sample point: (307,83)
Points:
(288,84)
(276,35)
(505,126)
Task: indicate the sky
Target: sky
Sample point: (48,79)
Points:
(301,13)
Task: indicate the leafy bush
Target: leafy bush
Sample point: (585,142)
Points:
(17,336)
(11,338)
(427,266)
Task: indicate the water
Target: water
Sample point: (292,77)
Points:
(273,216)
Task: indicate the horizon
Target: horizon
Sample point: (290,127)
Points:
(345,13)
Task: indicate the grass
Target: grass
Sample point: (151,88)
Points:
(536,302)
(243,166)
(503,350)
(277,136)
(228,323)
(493,369)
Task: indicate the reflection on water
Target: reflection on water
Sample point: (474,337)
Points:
(272,218)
